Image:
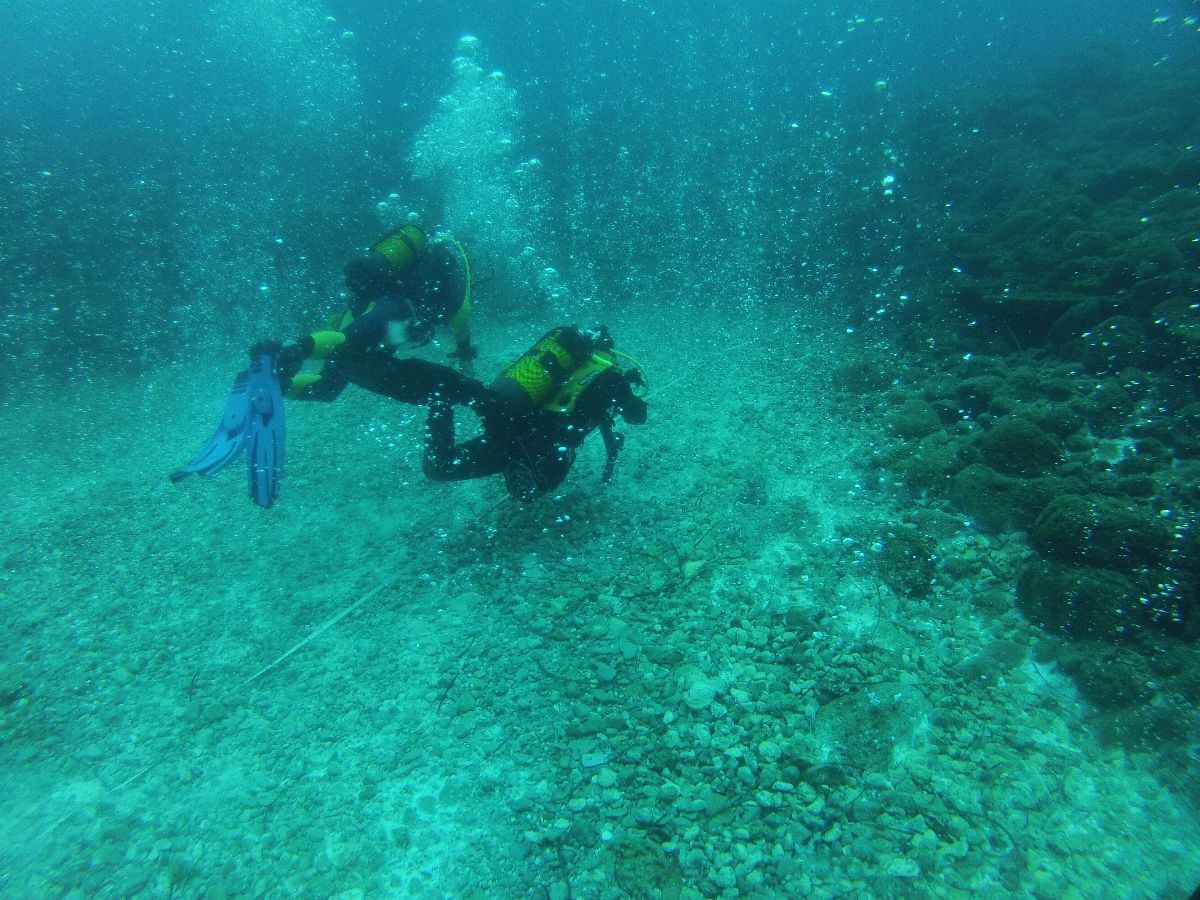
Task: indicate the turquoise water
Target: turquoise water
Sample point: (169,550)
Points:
(894,594)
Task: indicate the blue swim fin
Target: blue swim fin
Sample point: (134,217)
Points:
(266,437)
(227,441)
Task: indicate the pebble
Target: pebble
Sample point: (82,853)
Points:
(1078,788)
(770,751)
(700,695)
(767,800)
(628,649)
(558,827)
(724,876)
(593,759)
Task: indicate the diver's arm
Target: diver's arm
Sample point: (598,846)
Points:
(464,351)
(291,357)
(460,318)
(613,441)
(624,402)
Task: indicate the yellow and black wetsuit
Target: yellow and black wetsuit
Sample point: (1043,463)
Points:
(532,440)
(432,287)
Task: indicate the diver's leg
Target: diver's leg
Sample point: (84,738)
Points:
(323,387)
(446,461)
(412,380)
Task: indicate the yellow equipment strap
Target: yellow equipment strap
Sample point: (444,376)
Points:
(567,395)
(462,316)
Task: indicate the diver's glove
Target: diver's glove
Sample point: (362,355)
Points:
(613,442)
(633,409)
(419,332)
(599,337)
(288,360)
(271,348)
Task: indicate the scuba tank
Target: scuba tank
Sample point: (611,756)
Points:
(401,247)
(535,378)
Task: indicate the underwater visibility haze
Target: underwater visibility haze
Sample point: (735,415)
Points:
(857,555)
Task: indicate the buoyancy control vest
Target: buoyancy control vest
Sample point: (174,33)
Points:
(553,373)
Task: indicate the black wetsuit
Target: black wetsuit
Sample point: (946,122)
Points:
(366,360)
(416,300)
(533,450)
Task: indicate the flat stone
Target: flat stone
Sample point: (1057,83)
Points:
(903,868)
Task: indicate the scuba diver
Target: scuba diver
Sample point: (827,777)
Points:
(430,280)
(535,414)
(543,405)
(400,290)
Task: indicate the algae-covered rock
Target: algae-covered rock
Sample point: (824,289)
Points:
(861,377)
(914,419)
(1081,318)
(1136,465)
(1015,446)
(1102,531)
(1179,317)
(869,724)
(1078,601)
(907,561)
(1110,677)
(974,395)
(1115,183)
(1141,487)
(1057,419)
(1026,316)
(997,659)
(1115,344)
(1154,449)
(1029,383)
(1183,432)
(1000,502)
(643,869)
(929,462)
(1109,406)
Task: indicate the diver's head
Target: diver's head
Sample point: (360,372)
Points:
(521,481)
(368,276)
(633,410)
(599,336)
(530,478)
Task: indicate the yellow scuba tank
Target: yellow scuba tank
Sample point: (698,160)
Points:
(401,247)
(534,379)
